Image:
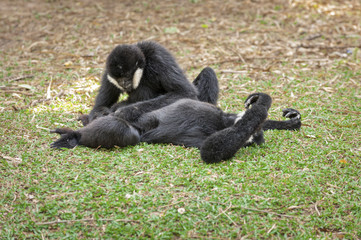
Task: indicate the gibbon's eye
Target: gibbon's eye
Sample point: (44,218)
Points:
(120,67)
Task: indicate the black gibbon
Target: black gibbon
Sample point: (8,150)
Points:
(148,71)
(187,122)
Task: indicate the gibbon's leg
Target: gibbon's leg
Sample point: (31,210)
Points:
(133,112)
(107,96)
(224,144)
(207,84)
(294,122)
(107,132)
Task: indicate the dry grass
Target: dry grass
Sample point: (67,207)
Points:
(251,38)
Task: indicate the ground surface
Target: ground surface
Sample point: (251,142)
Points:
(305,54)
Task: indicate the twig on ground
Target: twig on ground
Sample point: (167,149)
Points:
(253,209)
(85,220)
(13,160)
(171,204)
(318,212)
(13,79)
(273,227)
(233,71)
(17,92)
(33,103)
(265,211)
(224,212)
(327,47)
(48,93)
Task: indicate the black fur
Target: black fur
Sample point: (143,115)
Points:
(68,139)
(187,122)
(224,144)
(162,77)
(294,122)
(207,84)
(106,132)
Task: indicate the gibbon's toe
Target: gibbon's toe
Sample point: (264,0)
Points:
(251,99)
(291,113)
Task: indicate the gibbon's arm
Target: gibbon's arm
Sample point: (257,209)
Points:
(132,112)
(294,122)
(108,93)
(107,96)
(106,132)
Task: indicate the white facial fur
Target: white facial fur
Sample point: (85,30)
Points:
(112,80)
(136,78)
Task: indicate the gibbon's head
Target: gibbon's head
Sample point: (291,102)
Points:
(125,66)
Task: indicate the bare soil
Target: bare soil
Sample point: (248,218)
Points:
(243,37)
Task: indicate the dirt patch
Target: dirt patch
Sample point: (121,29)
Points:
(249,37)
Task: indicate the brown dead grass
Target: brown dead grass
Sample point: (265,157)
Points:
(241,37)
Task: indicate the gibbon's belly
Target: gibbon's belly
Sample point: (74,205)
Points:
(186,122)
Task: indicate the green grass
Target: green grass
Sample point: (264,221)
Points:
(299,185)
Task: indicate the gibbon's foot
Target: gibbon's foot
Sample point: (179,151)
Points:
(259,99)
(68,139)
(291,113)
(250,100)
(84,119)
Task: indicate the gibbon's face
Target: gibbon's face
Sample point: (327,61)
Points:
(125,66)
